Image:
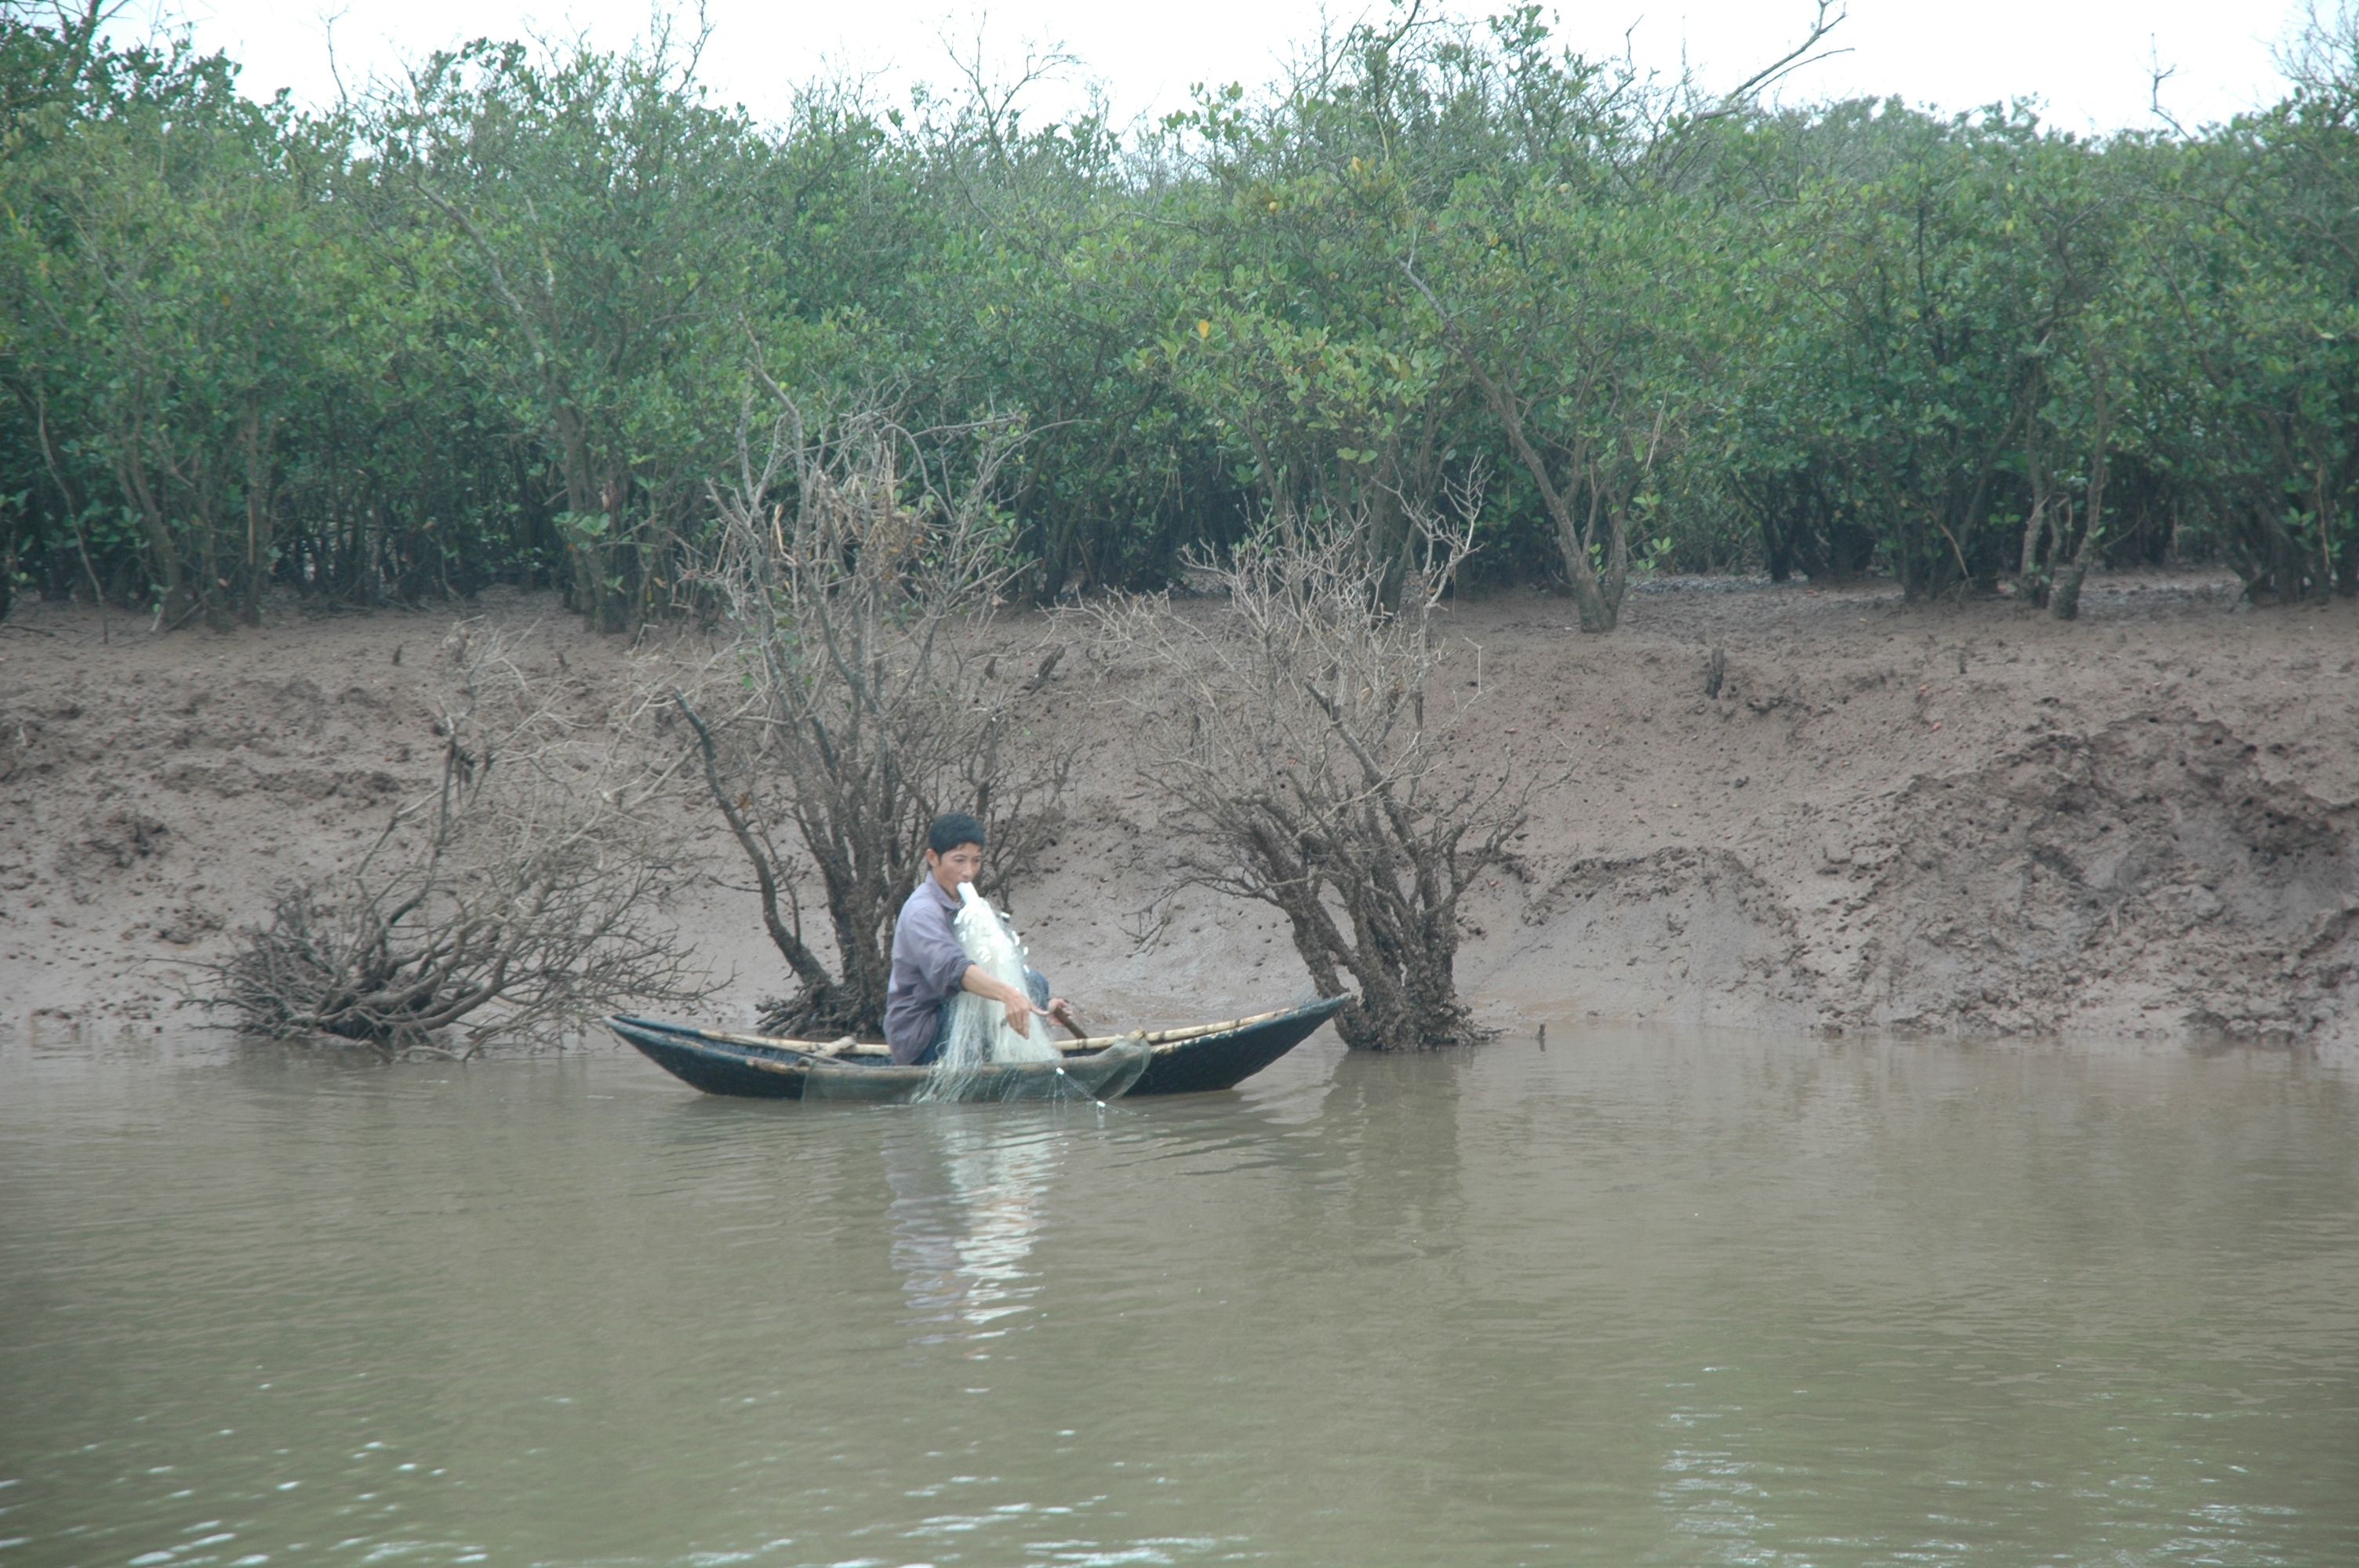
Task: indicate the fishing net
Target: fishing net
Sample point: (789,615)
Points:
(977,1038)
(1099,1076)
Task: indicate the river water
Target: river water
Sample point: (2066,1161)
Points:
(1634,1299)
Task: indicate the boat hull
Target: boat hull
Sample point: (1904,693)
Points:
(1188,1061)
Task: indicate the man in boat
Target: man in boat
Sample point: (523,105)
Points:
(929,966)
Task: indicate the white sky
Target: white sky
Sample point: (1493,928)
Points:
(2086,60)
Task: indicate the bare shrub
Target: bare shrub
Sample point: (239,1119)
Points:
(516,898)
(1307,774)
(857,694)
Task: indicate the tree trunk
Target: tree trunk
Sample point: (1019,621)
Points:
(586,496)
(1390,539)
(163,552)
(2064,599)
(1600,603)
(257,516)
(2064,603)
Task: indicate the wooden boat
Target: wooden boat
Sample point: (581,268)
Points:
(1179,1061)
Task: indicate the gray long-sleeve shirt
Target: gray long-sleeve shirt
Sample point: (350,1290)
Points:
(928,966)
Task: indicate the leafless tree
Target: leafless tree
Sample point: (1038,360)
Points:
(516,898)
(1308,771)
(859,693)
(2320,53)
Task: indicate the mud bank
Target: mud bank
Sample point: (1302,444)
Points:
(1859,816)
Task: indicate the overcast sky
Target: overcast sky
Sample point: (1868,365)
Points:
(2088,62)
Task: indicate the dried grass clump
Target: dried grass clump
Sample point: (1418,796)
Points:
(517,899)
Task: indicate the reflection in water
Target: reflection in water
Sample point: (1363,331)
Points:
(1644,1299)
(968,1186)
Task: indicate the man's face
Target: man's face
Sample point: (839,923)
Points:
(962,864)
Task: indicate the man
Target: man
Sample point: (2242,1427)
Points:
(929,966)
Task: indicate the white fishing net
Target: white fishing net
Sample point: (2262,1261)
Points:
(978,1038)
(1099,1076)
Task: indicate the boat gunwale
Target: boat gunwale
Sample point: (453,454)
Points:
(807,1050)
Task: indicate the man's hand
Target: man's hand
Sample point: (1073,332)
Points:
(1062,1012)
(1020,1014)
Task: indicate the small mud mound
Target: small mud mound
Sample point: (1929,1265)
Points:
(2147,875)
(105,844)
(1630,934)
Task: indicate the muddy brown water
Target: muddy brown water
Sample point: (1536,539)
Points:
(1637,1299)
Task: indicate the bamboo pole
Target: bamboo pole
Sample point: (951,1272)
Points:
(839,1049)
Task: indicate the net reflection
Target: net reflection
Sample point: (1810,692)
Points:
(969,1186)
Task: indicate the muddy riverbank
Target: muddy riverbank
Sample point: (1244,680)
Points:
(1861,815)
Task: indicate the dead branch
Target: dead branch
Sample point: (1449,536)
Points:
(516,898)
(855,695)
(1310,770)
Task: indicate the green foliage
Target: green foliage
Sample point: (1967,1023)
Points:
(2258,269)
(609,243)
(157,344)
(500,324)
